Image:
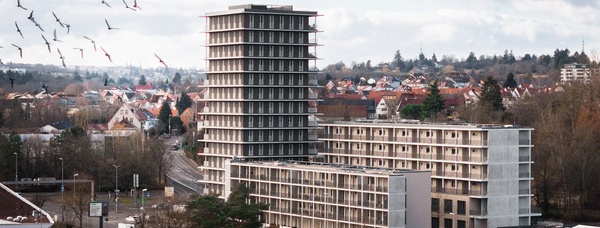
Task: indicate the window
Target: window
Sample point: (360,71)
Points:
(291,121)
(280,39)
(290,52)
(301,66)
(403,133)
(270,149)
(447,206)
(435,222)
(270,107)
(291,22)
(250,108)
(453,168)
(280,124)
(291,108)
(453,151)
(271,64)
(261,64)
(280,52)
(291,80)
(461,207)
(251,51)
(271,37)
(251,21)
(261,37)
(271,52)
(290,38)
(301,38)
(261,51)
(260,108)
(280,134)
(280,65)
(271,21)
(301,23)
(447,223)
(281,81)
(251,150)
(261,21)
(261,79)
(250,136)
(251,37)
(301,52)
(260,150)
(280,22)
(260,136)
(461,224)
(453,135)
(435,204)
(280,110)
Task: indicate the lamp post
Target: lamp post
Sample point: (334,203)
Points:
(326,218)
(16,166)
(62,187)
(116,188)
(74,184)
(143,190)
(169,124)
(453,216)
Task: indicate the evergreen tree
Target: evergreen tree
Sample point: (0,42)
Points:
(142,81)
(411,111)
(183,103)
(510,81)
(77,77)
(433,103)
(177,78)
(164,113)
(490,94)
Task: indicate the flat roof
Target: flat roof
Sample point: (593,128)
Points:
(421,125)
(316,166)
(262,9)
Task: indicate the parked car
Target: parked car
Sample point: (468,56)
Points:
(175,147)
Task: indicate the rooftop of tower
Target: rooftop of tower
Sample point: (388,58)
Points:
(268,9)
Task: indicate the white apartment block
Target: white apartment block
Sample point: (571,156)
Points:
(480,174)
(575,72)
(258,97)
(317,195)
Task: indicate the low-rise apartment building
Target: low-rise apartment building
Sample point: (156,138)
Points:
(324,195)
(480,174)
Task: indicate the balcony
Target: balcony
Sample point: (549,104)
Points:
(478,212)
(523,158)
(524,175)
(523,191)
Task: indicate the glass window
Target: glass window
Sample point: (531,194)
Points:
(447,223)
(447,206)
(461,207)
(435,204)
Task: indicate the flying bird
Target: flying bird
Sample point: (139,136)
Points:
(19,5)
(93,42)
(127,6)
(47,43)
(58,20)
(19,30)
(80,50)
(20,50)
(31,16)
(160,60)
(68,28)
(105,3)
(55,38)
(1,63)
(109,28)
(12,83)
(62,58)
(135,5)
(107,55)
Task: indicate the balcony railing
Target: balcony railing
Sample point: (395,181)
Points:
(478,212)
(524,174)
(523,191)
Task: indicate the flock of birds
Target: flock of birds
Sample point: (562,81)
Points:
(66,26)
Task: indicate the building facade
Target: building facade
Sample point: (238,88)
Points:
(575,72)
(258,87)
(480,175)
(324,195)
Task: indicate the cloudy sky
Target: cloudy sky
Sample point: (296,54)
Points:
(352,30)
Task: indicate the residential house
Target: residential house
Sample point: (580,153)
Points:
(56,128)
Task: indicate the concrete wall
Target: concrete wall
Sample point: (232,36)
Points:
(397,198)
(418,199)
(503,179)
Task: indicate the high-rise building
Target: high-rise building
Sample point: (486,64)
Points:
(324,195)
(258,87)
(480,174)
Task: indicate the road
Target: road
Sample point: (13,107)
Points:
(184,174)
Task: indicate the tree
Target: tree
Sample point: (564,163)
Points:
(411,111)
(510,81)
(433,103)
(177,78)
(210,211)
(490,94)
(77,77)
(471,60)
(142,81)
(164,113)
(184,102)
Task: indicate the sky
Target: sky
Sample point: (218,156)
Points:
(352,31)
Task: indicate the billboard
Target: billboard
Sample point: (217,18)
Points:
(169,191)
(98,209)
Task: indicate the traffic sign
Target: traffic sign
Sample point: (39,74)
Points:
(62,188)
(147,194)
(136,180)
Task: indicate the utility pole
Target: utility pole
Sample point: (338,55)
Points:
(17,166)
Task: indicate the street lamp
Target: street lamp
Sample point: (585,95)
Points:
(169,124)
(74,184)
(116,188)
(16,166)
(326,201)
(62,186)
(453,216)
(143,190)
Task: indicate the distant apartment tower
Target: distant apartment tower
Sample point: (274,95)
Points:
(258,87)
(480,174)
(575,72)
(317,195)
